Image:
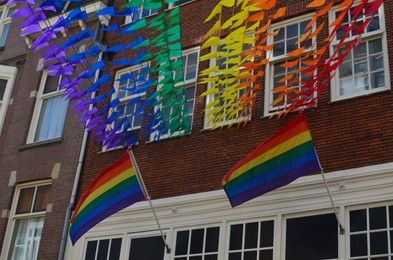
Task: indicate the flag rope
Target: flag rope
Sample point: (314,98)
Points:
(144,190)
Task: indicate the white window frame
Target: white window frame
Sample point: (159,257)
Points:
(5,19)
(14,217)
(269,76)
(140,9)
(6,73)
(379,34)
(41,97)
(211,97)
(186,84)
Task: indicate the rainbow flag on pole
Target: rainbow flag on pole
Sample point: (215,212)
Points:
(279,160)
(114,189)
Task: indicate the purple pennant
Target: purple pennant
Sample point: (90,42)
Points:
(35,19)
(80,105)
(31,29)
(23,12)
(10,2)
(88,114)
(45,37)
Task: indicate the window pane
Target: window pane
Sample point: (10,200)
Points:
(358,245)
(182,242)
(41,198)
(267,230)
(151,248)
(115,249)
(391,217)
(212,235)
(91,250)
(358,220)
(103,247)
(26,238)
(313,237)
(235,241)
(235,256)
(251,237)
(3,85)
(250,255)
(379,243)
(266,254)
(210,257)
(196,241)
(51,84)
(378,218)
(25,200)
(3,37)
(52,117)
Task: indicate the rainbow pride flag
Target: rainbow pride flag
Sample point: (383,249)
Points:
(114,189)
(279,160)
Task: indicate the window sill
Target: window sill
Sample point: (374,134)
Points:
(370,93)
(57,140)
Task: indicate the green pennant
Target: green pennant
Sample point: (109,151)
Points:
(132,3)
(138,25)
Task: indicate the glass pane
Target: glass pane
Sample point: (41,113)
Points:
(182,242)
(3,37)
(197,241)
(391,217)
(25,200)
(358,220)
(267,231)
(358,245)
(375,46)
(291,45)
(376,62)
(103,246)
(41,198)
(313,237)
(115,249)
(391,241)
(361,83)
(3,85)
(345,69)
(374,25)
(266,254)
(379,243)
(26,238)
(52,117)
(51,84)
(346,86)
(278,49)
(91,250)
(292,31)
(361,66)
(378,218)
(378,79)
(250,255)
(212,237)
(199,257)
(251,237)
(235,240)
(235,256)
(151,248)
(211,257)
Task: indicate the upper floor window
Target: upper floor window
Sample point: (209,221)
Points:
(130,91)
(146,247)
(189,75)
(286,41)
(179,2)
(5,22)
(27,220)
(141,12)
(50,110)
(365,69)
(7,76)
(224,103)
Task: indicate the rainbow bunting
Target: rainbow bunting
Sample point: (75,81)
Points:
(279,160)
(114,189)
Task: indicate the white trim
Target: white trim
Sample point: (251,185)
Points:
(7,73)
(305,196)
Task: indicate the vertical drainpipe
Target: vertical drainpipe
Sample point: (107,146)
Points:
(81,157)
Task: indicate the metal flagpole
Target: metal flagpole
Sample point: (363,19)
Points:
(144,190)
(342,230)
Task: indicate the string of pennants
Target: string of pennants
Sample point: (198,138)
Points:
(240,41)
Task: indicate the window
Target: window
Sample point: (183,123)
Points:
(179,2)
(152,248)
(285,42)
(5,22)
(50,111)
(201,243)
(312,237)
(141,12)
(7,76)
(225,62)
(189,74)
(28,220)
(130,90)
(365,69)
(371,233)
(252,240)
(104,249)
